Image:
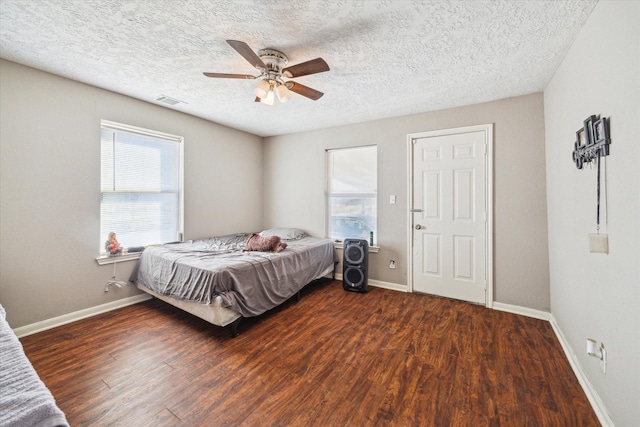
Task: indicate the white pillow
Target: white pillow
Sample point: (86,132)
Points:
(284,233)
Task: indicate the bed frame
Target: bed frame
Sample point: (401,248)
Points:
(214,312)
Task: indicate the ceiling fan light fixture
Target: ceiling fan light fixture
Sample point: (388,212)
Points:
(273,65)
(268,99)
(283,93)
(262,89)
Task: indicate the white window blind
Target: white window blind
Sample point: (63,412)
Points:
(352,192)
(141,186)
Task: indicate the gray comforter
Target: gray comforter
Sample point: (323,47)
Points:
(248,282)
(25,401)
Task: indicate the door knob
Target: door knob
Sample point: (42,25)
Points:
(418,226)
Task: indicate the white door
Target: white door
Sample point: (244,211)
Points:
(449,217)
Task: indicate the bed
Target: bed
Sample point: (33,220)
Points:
(24,399)
(220,281)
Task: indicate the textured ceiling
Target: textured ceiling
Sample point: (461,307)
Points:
(388,57)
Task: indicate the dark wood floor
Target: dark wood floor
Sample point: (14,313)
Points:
(335,358)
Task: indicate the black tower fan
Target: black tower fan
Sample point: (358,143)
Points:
(355,264)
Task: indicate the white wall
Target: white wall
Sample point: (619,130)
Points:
(295,183)
(50,188)
(596,295)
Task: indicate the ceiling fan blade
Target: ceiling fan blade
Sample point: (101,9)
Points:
(304,90)
(229,76)
(310,67)
(247,53)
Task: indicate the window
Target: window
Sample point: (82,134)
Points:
(352,186)
(141,186)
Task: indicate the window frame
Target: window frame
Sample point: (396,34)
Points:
(110,125)
(329,194)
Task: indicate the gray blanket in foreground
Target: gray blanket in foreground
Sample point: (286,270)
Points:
(248,282)
(25,401)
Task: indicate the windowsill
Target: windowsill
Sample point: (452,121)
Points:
(372,249)
(104,260)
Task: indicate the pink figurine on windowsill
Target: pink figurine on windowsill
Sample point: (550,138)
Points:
(112,246)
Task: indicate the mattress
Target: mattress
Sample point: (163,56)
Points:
(219,270)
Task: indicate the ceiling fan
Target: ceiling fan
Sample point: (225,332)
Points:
(272,65)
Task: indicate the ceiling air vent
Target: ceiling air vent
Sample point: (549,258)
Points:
(168,100)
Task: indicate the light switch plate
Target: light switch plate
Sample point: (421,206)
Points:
(599,243)
(392,199)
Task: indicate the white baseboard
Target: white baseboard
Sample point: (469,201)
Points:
(389,285)
(380,284)
(54,322)
(524,311)
(596,403)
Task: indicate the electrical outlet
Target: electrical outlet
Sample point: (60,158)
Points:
(392,264)
(596,349)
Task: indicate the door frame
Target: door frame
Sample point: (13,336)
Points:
(488,163)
